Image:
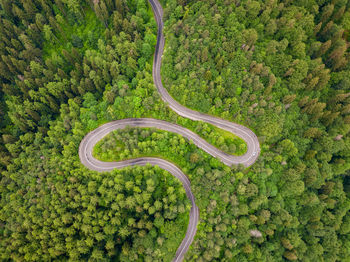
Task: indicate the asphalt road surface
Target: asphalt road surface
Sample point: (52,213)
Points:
(90,140)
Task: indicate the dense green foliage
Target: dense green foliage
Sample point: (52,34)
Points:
(51,207)
(49,54)
(278,67)
(139,142)
(282,68)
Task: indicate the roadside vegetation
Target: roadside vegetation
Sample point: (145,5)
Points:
(282,69)
(142,142)
(59,61)
(84,69)
(279,67)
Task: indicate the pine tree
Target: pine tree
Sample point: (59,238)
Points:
(336,56)
(324,48)
(49,35)
(327,28)
(101,12)
(68,57)
(289,98)
(329,117)
(29,7)
(312,83)
(327,11)
(119,4)
(339,14)
(317,28)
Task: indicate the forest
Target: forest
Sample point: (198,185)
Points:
(279,67)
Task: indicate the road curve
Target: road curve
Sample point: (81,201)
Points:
(90,140)
(243,132)
(86,158)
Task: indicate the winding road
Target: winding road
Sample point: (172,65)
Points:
(90,140)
